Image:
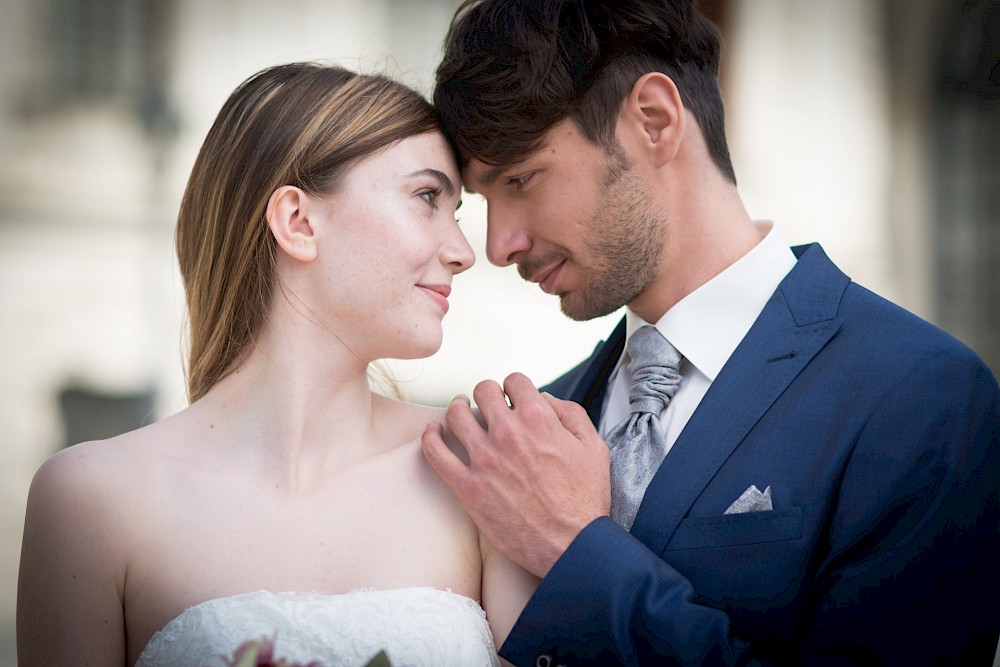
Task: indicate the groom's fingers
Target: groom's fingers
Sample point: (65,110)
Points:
(451,469)
(520,390)
(491,401)
(463,424)
(533,438)
(573,417)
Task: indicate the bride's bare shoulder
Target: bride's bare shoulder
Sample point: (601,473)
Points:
(80,488)
(106,472)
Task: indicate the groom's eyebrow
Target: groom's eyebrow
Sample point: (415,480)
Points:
(495,171)
(489,178)
(491,175)
(442,178)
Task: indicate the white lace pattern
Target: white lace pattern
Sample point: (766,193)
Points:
(416,627)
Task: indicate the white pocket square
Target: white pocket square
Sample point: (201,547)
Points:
(752,500)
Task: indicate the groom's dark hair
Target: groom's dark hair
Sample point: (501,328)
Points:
(514,68)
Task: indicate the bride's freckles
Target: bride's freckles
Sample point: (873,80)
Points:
(391,248)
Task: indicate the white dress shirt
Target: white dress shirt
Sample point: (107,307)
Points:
(706,326)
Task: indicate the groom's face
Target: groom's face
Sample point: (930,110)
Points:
(574,218)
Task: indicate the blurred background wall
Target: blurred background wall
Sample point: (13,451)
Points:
(868,125)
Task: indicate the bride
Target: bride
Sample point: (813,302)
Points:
(289,501)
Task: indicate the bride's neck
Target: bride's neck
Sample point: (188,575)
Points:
(301,400)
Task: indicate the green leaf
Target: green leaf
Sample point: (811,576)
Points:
(379,660)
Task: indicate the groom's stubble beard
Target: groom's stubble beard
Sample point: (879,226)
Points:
(623,243)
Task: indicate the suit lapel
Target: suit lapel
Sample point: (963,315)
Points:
(798,320)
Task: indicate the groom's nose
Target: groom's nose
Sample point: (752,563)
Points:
(506,236)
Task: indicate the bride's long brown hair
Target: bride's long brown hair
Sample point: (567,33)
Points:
(301,124)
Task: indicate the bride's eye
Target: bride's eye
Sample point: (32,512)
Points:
(430,195)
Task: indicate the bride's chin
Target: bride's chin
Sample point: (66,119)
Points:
(421,353)
(416,349)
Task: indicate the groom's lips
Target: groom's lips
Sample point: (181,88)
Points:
(547,278)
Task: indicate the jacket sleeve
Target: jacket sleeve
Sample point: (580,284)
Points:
(609,601)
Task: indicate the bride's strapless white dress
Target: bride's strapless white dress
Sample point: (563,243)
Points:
(414,626)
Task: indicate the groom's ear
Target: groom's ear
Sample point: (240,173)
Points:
(288,216)
(653,115)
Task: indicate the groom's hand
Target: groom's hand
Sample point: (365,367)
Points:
(537,475)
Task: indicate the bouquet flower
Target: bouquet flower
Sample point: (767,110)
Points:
(260,653)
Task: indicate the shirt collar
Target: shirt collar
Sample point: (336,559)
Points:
(708,324)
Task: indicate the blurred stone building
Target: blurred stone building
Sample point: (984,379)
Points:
(868,125)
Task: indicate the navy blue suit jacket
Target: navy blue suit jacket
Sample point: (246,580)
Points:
(878,435)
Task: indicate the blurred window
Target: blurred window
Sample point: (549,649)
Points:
(106,48)
(966,171)
(89,414)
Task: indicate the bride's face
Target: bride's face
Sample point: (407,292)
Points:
(394,248)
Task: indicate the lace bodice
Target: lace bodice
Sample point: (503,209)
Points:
(415,627)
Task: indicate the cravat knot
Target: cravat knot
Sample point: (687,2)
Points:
(655,369)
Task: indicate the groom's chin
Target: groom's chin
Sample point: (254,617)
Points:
(578,307)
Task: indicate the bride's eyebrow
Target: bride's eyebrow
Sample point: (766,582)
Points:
(446,185)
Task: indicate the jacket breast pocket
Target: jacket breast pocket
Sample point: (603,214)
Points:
(730,530)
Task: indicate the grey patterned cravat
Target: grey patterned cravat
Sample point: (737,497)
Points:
(637,446)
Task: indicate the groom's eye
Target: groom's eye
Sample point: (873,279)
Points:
(518,182)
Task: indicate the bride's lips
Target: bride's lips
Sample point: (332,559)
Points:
(439,293)
(547,278)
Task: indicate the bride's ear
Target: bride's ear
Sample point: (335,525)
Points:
(288,212)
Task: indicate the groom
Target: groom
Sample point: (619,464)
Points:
(812,476)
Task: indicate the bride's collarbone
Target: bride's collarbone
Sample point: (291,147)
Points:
(377,511)
(361,518)
(392,505)
(280,479)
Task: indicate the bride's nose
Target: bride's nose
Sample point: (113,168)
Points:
(456,251)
